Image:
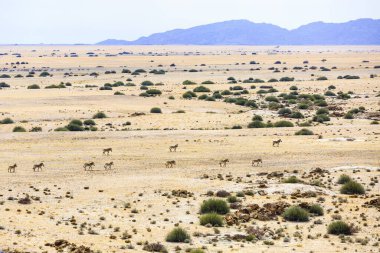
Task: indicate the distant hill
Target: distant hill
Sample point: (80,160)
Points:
(244,32)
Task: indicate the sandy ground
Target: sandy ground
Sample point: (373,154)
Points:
(121,209)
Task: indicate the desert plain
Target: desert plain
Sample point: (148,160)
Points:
(62,105)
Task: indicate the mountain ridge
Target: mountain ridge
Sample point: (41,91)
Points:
(363,31)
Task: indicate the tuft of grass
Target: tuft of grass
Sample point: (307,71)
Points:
(296,213)
(213,219)
(352,188)
(178,235)
(218,206)
(339,228)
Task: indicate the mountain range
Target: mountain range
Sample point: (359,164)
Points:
(243,32)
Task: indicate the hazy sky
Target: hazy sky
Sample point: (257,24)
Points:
(90,21)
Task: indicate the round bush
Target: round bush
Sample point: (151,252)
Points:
(291,180)
(197,251)
(283,123)
(211,218)
(155,110)
(74,127)
(178,235)
(232,199)
(344,179)
(257,117)
(201,89)
(19,129)
(33,87)
(76,122)
(296,213)
(271,99)
(147,83)
(89,122)
(99,115)
(316,209)
(256,124)
(7,121)
(218,206)
(339,228)
(322,111)
(304,131)
(352,188)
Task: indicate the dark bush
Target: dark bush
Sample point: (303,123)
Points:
(147,83)
(33,87)
(188,82)
(89,122)
(19,129)
(257,117)
(316,209)
(7,121)
(155,110)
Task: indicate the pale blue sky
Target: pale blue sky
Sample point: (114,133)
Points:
(90,21)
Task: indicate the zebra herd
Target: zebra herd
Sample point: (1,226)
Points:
(169,164)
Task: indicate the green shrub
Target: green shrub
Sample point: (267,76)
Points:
(218,206)
(61,129)
(256,124)
(316,209)
(348,116)
(286,79)
(296,213)
(352,188)
(283,123)
(33,87)
(257,117)
(322,111)
(322,78)
(189,95)
(7,121)
(208,82)
(44,74)
(232,199)
(76,122)
(271,99)
(339,228)
(211,218)
(344,179)
(154,92)
(284,111)
(74,127)
(330,93)
(89,122)
(155,110)
(119,93)
(303,106)
(188,82)
(178,235)
(99,115)
(297,115)
(147,83)
(19,129)
(201,89)
(291,180)
(36,129)
(304,131)
(321,118)
(237,127)
(197,251)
